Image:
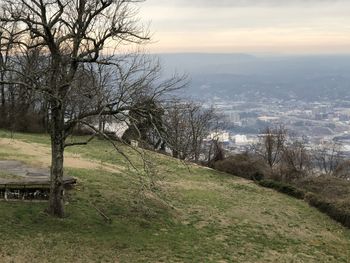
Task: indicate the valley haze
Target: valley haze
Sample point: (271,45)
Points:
(310,78)
(309,95)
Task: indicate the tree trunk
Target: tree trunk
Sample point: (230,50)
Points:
(176,154)
(2,88)
(56,204)
(3,100)
(3,112)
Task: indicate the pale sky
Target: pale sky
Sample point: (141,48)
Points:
(249,26)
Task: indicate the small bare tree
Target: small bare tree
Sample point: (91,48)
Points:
(271,144)
(215,152)
(187,124)
(296,160)
(327,157)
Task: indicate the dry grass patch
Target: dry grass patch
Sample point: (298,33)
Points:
(40,156)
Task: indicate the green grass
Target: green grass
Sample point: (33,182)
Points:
(210,217)
(33,138)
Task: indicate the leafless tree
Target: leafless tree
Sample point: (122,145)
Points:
(343,170)
(7,37)
(200,120)
(271,145)
(187,125)
(77,38)
(327,157)
(215,152)
(296,159)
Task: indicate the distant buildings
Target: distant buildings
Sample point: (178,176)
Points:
(315,121)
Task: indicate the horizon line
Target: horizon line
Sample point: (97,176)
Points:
(251,53)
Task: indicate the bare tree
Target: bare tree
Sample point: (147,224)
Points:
(177,134)
(327,157)
(343,170)
(74,35)
(187,124)
(271,145)
(7,37)
(296,160)
(215,152)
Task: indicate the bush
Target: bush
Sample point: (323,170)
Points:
(329,187)
(243,165)
(329,194)
(289,174)
(22,121)
(343,170)
(283,188)
(339,211)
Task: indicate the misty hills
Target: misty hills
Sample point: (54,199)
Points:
(242,75)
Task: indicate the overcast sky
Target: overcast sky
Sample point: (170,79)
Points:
(250,26)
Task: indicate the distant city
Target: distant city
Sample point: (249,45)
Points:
(308,95)
(317,122)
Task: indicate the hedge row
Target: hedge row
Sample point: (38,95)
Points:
(283,188)
(331,203)
(337,211)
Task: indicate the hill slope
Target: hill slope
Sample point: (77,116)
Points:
(211,217)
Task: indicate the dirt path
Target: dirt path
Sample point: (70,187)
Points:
(42,156)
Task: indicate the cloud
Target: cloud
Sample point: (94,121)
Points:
(248,25)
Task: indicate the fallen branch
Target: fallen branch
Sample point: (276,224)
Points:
(108,220)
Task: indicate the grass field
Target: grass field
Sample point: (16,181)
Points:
(198,215)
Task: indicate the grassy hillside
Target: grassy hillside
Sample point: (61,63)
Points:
(203,215)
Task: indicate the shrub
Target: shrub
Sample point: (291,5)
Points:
(283,188)
(289,174)
(243,165)
(22,120)
(343,170)
(339,211)
(329,187)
